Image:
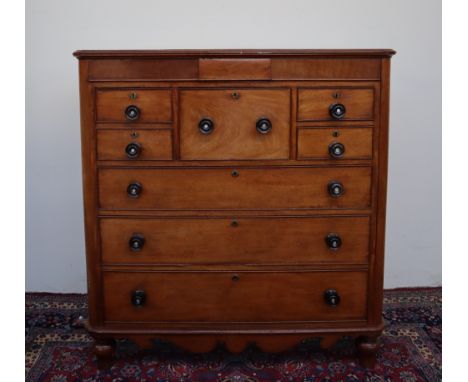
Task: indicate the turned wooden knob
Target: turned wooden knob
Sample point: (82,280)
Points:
(133,150)
(336,150)
(335,189)
(138,298)
(337,111)
(333,241)
(136,242)
(134,190)
(332,297)
(264,126)
(206,126)
(132,113)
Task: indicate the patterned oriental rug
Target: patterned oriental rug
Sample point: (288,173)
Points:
(59,349)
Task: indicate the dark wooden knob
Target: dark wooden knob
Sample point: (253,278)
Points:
(335,189)
(337,111)
(136,242)
(206,126)
(332,297)
(333,241)
(134,190)
(336,150)
(264,126)
(133,150)
(132,113)
(138,298)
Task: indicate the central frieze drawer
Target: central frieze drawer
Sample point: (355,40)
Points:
(246,240)
(234,124)
(235,188)
(257,296)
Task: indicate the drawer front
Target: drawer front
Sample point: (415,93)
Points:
(314,104)
(234,296)
(153,105)
(229,188)
(319,143)
(268,240)
(234,114)
(134,144)
(234,69)
(320,69)
(143,69)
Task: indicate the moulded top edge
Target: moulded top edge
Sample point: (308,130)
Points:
(232,53)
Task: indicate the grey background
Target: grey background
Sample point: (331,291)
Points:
(55,259)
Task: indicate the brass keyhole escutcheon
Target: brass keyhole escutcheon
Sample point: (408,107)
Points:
(234,223)
(336,95)
(134,134)
(235,95)
(336,134)
(235,173)
(133,95)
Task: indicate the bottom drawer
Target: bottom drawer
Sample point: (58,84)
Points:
(246,296)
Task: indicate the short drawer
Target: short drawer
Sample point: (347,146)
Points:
(316,104)
(234,188)
(133,105)
(134,144)
(234,124)
(247,240)
(256,296)
(334,143)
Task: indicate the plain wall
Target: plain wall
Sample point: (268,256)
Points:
(55,256)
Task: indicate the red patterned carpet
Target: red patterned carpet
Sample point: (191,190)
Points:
(59,349)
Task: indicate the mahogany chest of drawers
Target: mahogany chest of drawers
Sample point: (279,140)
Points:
(235,196)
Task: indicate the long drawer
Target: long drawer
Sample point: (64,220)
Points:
(248,240)
(234,297)
(231,188)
